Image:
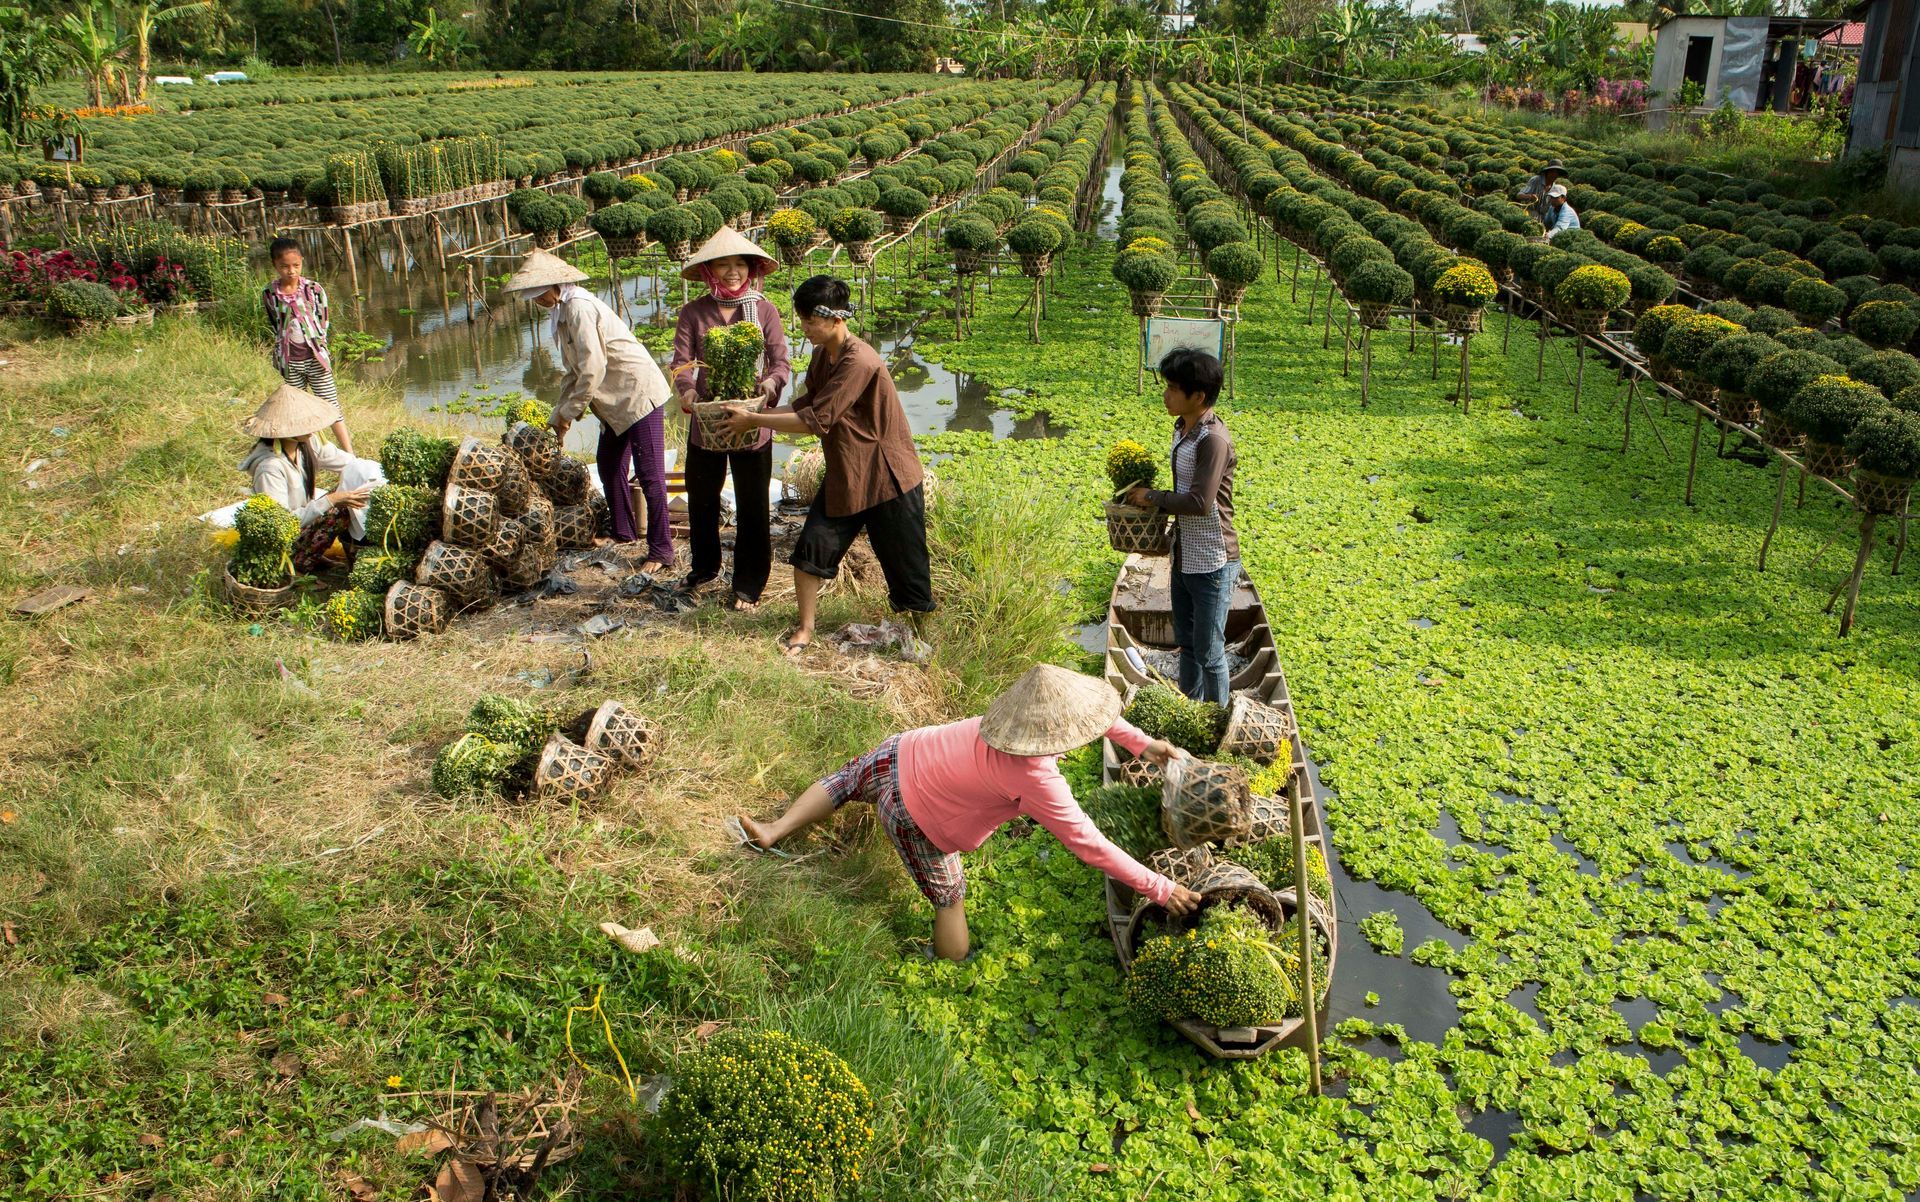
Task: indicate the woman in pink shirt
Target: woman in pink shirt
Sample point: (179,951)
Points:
(942,790)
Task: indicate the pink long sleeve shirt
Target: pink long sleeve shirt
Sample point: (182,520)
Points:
(959,791)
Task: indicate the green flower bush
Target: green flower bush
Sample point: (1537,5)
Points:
(1892,372)
(674,225)
(1775,380)
(1729,362)
(1650,328)
(1228,971)
(417,460)
(1129,815)
(1815,300)
(474,766)
(1129,463)
(402,517)
(1692,336)
(375,570)
(731,354)
(850,224)
(353,614)
(1887,441)
(970,234)
(1145,271)
(1593,289)
(1469,285)
(1884,322)
(1829,407)
(903,203)
(759,1116)
(76,301)
(788,227)
(623,220)
(1034,236)
(1164,712)
(1376,282)
(263,558)
(1234,263)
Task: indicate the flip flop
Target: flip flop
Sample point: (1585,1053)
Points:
(793,650)
(739,835)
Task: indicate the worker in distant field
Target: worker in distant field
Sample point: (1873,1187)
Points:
(1560,214)
(942,790)
(1534,194)
(608,371)
(874,479)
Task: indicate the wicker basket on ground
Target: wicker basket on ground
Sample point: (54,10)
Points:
(1204,802)
(416,609)
(250,600)
(1138,531)
(710,414)
(516,488)
(468,516)
(569,773)
(477,465)
(536,446)
(499,550)
(460,572)
(1826,459)
(529,565)
(566,482)
(622,736)
(573,527)
(1878,493)
(1257,731)
(537,523)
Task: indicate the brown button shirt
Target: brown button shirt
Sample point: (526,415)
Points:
(851,404)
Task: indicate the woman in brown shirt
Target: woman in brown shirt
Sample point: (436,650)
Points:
(873,472)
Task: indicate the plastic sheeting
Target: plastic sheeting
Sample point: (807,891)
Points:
(1740,61)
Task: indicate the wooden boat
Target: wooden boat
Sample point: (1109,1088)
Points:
(1140,622)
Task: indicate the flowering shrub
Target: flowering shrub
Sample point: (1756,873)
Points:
(791,227)
(756,1116)
(1229,970)
(1468,284)
(1129,463)
(1593,288)
(263,557)
(352,614)
(31,274)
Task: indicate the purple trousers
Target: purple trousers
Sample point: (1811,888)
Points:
(641,451)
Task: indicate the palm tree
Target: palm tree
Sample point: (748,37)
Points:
(143,16)
(95,42)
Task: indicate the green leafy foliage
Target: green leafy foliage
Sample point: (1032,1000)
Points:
(1129,815)
(375,569)
(510,722)
(1228,970)
(1164,712)
(1272,861)
(731,353)
(263,558)
(759,1116)
(402,517)
(1382,930)
(417,460)
(474,766)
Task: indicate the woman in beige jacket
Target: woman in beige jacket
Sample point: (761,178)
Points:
(607,371)
(285,464)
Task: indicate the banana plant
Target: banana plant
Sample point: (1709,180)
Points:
(95,42)
(143,16)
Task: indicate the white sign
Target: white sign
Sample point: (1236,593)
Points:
(1168,334)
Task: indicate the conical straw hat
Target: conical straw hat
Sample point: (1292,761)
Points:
(728,241)
(1050,711)
(290,413)
(540,271)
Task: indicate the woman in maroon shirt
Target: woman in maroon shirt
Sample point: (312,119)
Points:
(731,267)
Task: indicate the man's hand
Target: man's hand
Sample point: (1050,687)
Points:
(560,426)
(1163,753)
(739,421)
(1183,901)
(1137,497)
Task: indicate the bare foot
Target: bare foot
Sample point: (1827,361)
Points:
(756,834)
(651,566)
(741,605)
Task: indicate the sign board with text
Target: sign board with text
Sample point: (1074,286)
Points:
(1167,334)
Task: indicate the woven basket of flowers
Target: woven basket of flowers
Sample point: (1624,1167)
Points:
(250,600)
(1737,407)
(621,735)
(1778,431)
(1828,460)
(569,773)
(528,566)
(1270,819)
(1204,802)
(500,549)
(1257,731)
(1374,314)
(414,609)
(468,516)
(1138,531)
(1876,492)
(803,474)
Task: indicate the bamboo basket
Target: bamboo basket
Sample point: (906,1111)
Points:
(1737,407)
(1140,772)
(801,478)
(468,516)
(1257,731)
(1878,493)
(1270,819)
(1461,319)
(573,527)
(526,567)
(1138,531)
(536,446)
(515,489)
(537,525)
(1778,432)
(1590,322)
(566,483)
(1374,314)
(710,414)
(416,609)
(1146,304)
(1182,865)
(250,600)
(622,736)
(859,253)
(1036,266)
(622,247)
(1826,459)
(1697,390)
(569,773)
(477,465)
(1226,293)
(968,262)
(1205,802)
(460,572)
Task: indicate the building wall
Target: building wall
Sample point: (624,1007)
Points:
(1670,60)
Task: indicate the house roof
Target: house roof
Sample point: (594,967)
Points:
(1853,33)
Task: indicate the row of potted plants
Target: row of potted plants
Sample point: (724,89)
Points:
(1210,218)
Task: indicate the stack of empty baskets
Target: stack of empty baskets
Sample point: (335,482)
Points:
(509,509)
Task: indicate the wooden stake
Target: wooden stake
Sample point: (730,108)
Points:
(1779,497)
(1693,456)
(1852,584)
(1296,818)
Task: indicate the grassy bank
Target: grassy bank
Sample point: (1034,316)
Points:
(1664,813)
(234,912)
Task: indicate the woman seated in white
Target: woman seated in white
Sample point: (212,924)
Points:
(286,462)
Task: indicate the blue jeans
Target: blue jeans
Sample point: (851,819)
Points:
(1200,604)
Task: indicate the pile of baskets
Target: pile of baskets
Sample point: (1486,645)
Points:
(508,511)
(579,762)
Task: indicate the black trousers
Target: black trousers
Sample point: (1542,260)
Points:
(753,539)
(896,528)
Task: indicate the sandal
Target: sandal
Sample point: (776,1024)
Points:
(792,649)
(738,834)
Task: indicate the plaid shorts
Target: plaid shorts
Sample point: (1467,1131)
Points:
(875,777)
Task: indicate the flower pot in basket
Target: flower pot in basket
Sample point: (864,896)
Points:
(1257,731)
(537,523)
(1461,319)
(1141,772)
(860,253)
(250,600)
(1737,407)
(416,609)
(468,516)
(515,490)
(1271,819)
(528,566)
(1590,322)
(508,535)
(1879,493)
(793,256)
(566,482)
(478,465)
(710,415)
(1663,371)
(1205,802)
(546,239)
(622,736)
(1374,314)
(460,572)
(1779,433)
(1138,531)
(1699,391)
(1035,266)
(898,225)
(1227,294)
(536,445)
(1182,864)
(968,262)
(1146,304)
(1826,459)
(621,247)
(800,480)
(569,773)
(573,527)
(678,251)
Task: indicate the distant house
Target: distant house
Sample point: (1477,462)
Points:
(1886,112)
(1631,33)
(1467,43)
(1752,63)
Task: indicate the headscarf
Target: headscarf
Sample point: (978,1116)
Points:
(757,270)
